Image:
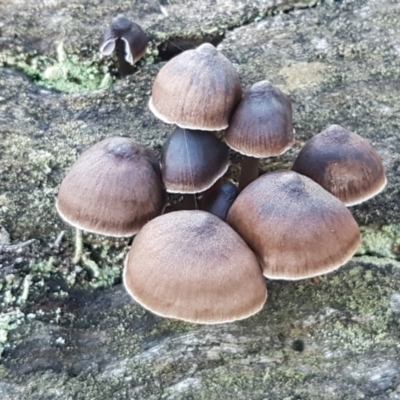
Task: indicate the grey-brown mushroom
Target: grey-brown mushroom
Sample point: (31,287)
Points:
(192,161)
(344,163)
(198,89)
(261,126)
(296,228)
(192,266)
(113,189)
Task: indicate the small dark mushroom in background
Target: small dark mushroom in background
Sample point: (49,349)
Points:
(344,164)
(130,34)
(198,89)
(192,266)
(296,228)
(261,126)
(113,189)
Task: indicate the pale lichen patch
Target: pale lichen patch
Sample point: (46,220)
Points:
(304,75)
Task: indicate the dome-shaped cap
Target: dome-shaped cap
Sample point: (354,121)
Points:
(113,189)
(192,266)
(198,89)
(343,163)
(296,228)
(261,125)
(192,161)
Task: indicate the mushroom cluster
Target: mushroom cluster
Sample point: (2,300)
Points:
(208,266)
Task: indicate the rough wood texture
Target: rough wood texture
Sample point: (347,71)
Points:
(71,332)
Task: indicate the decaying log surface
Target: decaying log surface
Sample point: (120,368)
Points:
(71,332)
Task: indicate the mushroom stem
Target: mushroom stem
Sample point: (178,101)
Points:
(315,280)
(78,246)
(249,172)
(124,68)
(219,200)
(189,202)
(211,193)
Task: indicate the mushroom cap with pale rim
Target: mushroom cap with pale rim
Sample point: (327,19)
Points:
(113,189)
(192,266)
(344,164)
(296,228)
(192,161)
(198,89)
(261,125)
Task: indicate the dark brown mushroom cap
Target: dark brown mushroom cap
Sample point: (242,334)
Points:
(198,89)
(192,161)
(296,228)
(113,189)
(135,40)
(192,266)
(343,163)
(261,125)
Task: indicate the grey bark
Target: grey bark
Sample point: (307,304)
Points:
(71,332)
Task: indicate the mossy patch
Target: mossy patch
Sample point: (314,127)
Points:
(8,322)
(66,73)
(381,241)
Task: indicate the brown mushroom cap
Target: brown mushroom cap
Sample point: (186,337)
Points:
(192,266)
(343,163)
(113,189)
(261,125)
(198,89)
(192,161)
(296,228)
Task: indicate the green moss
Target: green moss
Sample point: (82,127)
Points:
(66,73)
(102,276)
(8,322)
(381,241)
(43,268)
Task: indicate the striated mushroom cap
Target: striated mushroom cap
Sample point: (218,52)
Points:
(113,189)
(296,228)
(192,161)
(192,266)
(261,125)
(198,89)
(343,163)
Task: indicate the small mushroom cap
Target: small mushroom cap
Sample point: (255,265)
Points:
(192,266)
(192,161)
(135,40)
(198,89)
(296,228)
(343,163)
(113,189)
(261,125)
